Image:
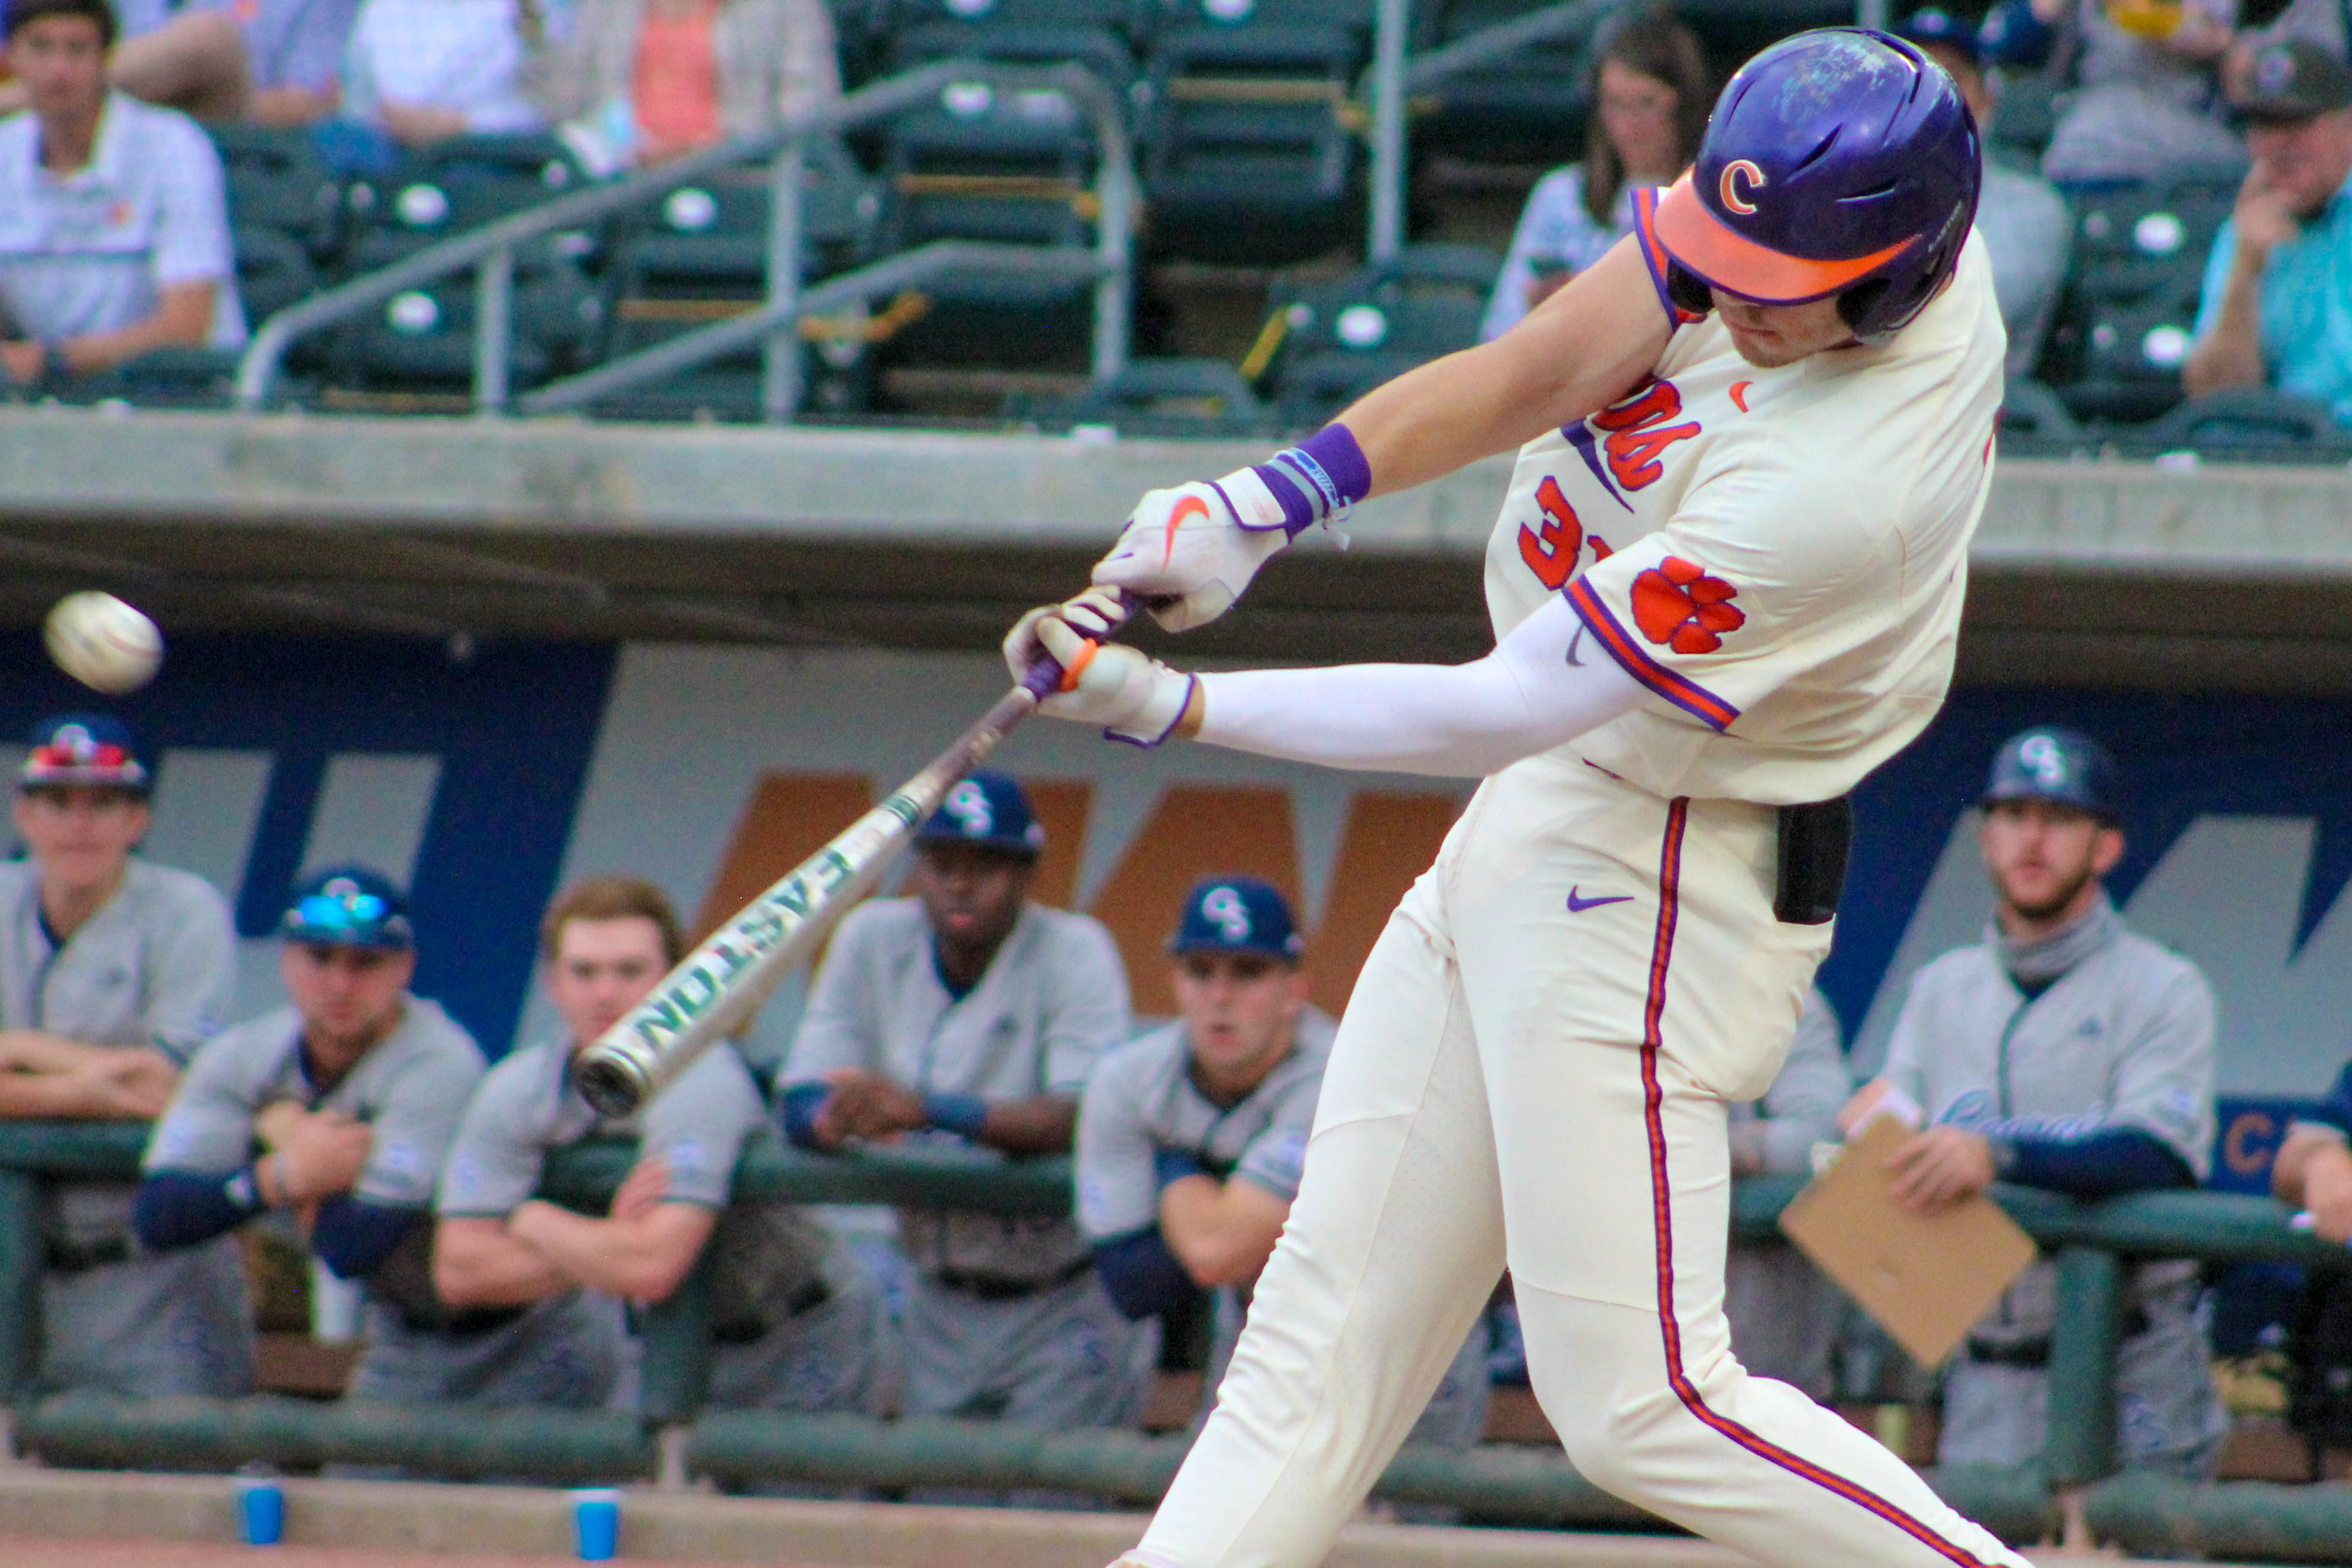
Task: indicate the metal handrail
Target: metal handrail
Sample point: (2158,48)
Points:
(490,249)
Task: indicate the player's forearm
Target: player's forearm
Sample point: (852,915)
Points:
(2231,353)
(1222,1232)
(1449,720)
(641,1259)
(183,319)
(476,1264)
(1580,351)
(63,1097)
(1044,1124)
(38,1051)
(2302,1157)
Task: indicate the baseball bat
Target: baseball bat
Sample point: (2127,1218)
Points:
(720,987)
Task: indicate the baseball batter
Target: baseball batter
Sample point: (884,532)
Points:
(968,1014)
(1192,1137)
(1754,440)
(798,1325)
(113,971)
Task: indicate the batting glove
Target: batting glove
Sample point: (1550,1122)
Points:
(1132,696)
(1189,553)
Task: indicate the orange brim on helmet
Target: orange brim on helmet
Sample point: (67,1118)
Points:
(1720,255)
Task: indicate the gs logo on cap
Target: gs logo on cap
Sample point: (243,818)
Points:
(1224,908)
(2046,758)
(968,804)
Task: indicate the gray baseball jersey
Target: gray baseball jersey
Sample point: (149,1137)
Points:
(1784,1313)
(2122,1040)
(1052,1001)
(410,1087)
(155,966)
(1142,1099)
(779,1269)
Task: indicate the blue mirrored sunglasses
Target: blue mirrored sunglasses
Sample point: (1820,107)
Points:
(352,912)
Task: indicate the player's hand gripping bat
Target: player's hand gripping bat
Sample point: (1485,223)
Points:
(718,988)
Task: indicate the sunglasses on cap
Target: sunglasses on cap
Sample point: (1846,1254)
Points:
(325,916)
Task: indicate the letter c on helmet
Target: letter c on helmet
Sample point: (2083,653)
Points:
(1730,186)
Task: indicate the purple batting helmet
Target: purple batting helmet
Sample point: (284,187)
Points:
(1840,162)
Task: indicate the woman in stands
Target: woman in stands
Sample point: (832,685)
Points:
(1650,100)
(645,80)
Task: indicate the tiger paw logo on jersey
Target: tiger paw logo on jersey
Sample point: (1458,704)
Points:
(1678,604)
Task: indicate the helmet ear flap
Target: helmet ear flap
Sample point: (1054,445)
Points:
(1689,293)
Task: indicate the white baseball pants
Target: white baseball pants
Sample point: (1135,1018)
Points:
(1533,1068)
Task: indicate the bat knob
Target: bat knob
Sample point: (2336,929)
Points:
(615,1089)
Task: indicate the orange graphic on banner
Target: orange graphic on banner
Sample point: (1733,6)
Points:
(1390,839)
(1195,831)
(789,817)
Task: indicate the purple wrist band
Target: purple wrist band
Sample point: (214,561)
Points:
(1318,478)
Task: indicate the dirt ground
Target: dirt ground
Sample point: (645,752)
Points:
(29,1551)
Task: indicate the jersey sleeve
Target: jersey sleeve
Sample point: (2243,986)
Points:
(698,1126)
(841,1026)
(495,1158)
(1905,1065)
(1764,573)
(2164,1080)
(1087,1005)
(423,1105)
(192,241)
(1117,1190)
(208,1126)
(1276,1159)
(193,976)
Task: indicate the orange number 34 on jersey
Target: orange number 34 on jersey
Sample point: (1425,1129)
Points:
(1551,544)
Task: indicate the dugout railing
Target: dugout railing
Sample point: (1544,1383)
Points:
(490,252)
(2074,1490)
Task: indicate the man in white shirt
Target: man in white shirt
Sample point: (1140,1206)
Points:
(114,228)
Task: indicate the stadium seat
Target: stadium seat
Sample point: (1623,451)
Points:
(1530,109)
(2124,326)
(457,184)
(2036,420)
(273,270)
(1097,34)
(2249,422)
(275,179)
(701,256)
(162,378)
(1009,167)
(1250,133)
(418,349)
(1340,339)
(1182,397)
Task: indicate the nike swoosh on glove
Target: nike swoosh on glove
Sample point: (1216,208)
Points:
(1133,697)
(1190,554)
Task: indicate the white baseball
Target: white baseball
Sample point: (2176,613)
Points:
(103,643)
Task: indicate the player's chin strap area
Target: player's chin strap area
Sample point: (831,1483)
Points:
(1544,685)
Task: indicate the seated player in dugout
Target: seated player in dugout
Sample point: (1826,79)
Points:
(2313,1168)
(798,1324)
(1784,1311)
(967,1015)
(113,971)
(2062,1051)
(1192,1139)
(329,1115)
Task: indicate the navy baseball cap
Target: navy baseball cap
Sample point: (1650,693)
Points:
(987,809)
(1934,25)
(349,905)
(1237,914)
(84,749)
(2052,763)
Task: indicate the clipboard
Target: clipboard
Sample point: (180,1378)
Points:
(1922,1277)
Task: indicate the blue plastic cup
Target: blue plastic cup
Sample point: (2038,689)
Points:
(596,1522)
(260,1511)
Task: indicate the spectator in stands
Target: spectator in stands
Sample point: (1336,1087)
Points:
(1650,102)
(2278,285)
(113,229)
(799,1325)
(352,1091)
(113,971)
(1784,1314)
(422,71)
(1190,1139)
(274,62)
(2026,227)
(645,80)
(2146,103)
(2063,1052)
(968,1016)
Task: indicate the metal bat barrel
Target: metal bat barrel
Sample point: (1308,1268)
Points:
(716,989)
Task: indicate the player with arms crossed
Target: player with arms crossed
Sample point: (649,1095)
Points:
(1726,585)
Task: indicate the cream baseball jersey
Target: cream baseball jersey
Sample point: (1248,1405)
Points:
(1780,555)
